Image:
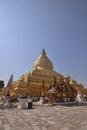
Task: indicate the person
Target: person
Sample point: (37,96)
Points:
(7,99)
(29,102)
(2,101)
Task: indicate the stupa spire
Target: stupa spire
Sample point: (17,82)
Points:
(43,62)
(10,81)
(43,51)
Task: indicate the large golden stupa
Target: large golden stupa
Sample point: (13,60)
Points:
(40,78)
(43,77)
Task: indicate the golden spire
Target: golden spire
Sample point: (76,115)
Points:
(43,62)
(43,51)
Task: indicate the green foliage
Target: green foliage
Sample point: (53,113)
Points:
(1,84)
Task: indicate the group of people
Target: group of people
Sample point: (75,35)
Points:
(7,102)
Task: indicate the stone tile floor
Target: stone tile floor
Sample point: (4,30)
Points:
(60,117)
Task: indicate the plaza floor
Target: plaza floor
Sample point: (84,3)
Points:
(60,117)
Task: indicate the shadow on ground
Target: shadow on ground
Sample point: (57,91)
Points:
(73,104)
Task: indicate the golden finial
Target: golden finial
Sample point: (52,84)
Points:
(43,51)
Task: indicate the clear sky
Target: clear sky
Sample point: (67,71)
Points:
(58,26)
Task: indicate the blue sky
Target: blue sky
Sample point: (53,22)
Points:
(28,26)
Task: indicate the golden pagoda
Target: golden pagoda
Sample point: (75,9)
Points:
(41,77)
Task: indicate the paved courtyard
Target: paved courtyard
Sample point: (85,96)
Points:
(60,117)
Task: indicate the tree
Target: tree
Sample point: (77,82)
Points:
(1,84)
